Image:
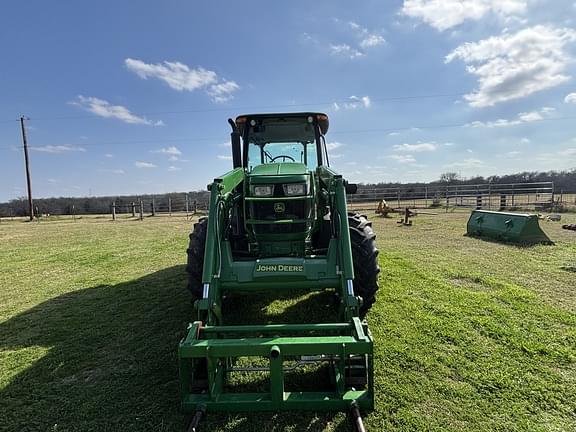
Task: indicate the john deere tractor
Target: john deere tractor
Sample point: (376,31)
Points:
(278,222)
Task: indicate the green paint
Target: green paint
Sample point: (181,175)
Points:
(281,251)
(506,226)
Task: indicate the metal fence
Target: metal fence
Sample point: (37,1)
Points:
(167,205)
(530,196)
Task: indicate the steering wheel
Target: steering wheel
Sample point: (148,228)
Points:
(284,157)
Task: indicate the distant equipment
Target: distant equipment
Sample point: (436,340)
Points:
(405,221)
(571,227)
(507,227)
(383,209)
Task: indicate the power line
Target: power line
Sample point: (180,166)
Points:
(337,132)
(253,107)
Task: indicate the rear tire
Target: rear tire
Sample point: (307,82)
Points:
(365,259)
(195,263)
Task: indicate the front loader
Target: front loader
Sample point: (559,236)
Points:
(278,222)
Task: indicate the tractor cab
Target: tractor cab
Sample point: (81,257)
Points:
(281,153)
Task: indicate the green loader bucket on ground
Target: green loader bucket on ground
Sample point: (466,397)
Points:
(506,226)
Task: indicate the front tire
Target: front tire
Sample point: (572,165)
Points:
(365,259)
(195,263)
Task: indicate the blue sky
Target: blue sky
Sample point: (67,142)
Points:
(133,97)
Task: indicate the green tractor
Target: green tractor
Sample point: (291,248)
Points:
(279,221)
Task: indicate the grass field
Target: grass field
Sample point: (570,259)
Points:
(470,335)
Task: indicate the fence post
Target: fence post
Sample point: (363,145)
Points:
(186,196)
(502,201)
(133,209)
(153,205)
(426,196)
(398,197)
(113,210)
(447,200)
(73,213)
(141,210)
(169,206)
(195,206)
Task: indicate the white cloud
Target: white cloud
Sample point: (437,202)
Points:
(512,66)
(140,164)
(366,38)
(514,153)
(51,180)
(394,134)
(222,92)
(466,164)
(570,98)
(403,158)
(525,117)
(174,168)
(445,14)
(224,157)
(103,108)
(333,145)
(568,152)
(109,155)
(372,40)
(114,171)
(525,140)
(181,77)
(416,148)
(353,102)
(345,50)
(58,148)
(358,41)
(172,150)
(177,75)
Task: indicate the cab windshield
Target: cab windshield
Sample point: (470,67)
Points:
(275,152)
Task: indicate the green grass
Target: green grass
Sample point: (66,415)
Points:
(470,335)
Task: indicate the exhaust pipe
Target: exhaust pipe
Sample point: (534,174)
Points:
(235,141)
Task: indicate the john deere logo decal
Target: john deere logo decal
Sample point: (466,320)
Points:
(279,207)
(279,268)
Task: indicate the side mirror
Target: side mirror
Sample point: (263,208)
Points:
(351,188)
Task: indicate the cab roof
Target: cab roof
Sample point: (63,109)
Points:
(281,121)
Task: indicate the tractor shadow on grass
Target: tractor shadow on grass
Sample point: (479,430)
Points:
(105,359)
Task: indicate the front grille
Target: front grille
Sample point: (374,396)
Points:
(269,211)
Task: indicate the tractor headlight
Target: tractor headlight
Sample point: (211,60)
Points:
(294,189)
(263,190)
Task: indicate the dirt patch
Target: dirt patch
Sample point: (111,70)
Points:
(470,283)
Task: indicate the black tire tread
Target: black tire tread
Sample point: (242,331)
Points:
(195,262)
(365,259)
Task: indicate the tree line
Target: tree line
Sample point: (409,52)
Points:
(102,205)
(564,181)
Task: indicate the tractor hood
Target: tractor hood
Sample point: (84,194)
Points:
(285,168)
(285,172)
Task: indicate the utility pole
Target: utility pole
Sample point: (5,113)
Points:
(27,161)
